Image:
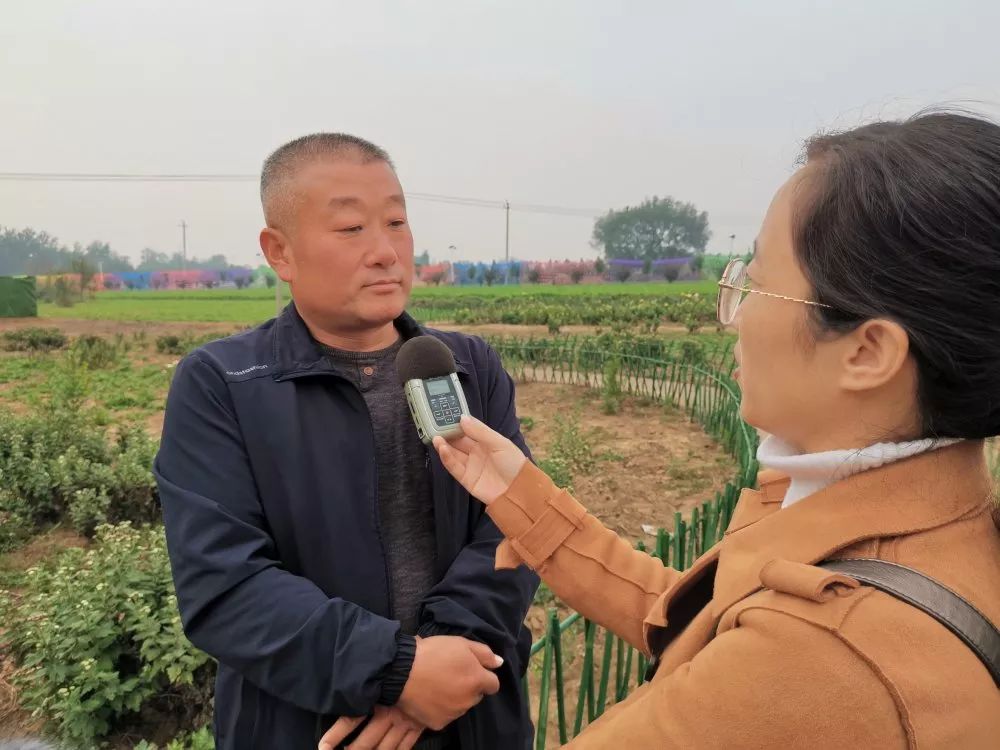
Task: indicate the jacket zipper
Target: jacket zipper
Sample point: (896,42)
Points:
(371,430)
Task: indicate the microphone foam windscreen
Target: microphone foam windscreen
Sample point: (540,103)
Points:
(423,357)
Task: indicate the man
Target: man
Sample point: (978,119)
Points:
(320,553)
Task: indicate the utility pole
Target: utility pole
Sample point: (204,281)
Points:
(731,238)
(506,245)
(184,244)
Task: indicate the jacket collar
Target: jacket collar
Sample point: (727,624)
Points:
(297,353)
(905,497)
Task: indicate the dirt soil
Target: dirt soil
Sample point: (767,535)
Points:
(111,327)
(652,461)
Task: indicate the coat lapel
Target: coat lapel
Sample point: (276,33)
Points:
(916,494)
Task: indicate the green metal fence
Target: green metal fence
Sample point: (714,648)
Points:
(695,379)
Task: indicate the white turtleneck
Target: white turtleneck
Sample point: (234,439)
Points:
(811,472)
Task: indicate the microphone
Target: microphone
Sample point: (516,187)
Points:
(426,370)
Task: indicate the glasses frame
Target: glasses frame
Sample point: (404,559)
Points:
(723,285)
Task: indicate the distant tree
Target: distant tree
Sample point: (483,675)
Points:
(85,270)
(534,275)
(600,266)
(576,275)
(656,228)
(491,275)
(622,274)
(438,277)
(27,251)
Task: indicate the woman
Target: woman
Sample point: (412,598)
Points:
(869,352)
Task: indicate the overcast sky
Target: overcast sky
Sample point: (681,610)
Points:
(584,105)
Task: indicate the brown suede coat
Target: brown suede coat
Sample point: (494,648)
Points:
(764,650)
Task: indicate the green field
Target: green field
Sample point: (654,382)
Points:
(255,305)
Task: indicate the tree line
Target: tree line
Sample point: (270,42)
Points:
(28,252)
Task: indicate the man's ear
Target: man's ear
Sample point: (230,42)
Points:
(277,252)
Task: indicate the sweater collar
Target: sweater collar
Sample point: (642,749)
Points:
(809,473)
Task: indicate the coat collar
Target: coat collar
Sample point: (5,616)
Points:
(296,352)
(905,497)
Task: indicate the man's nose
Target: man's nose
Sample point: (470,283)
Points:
(383,253)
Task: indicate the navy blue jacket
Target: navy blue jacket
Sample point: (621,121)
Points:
(267,479)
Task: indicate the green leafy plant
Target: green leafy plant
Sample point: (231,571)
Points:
(60,464)
(558,471)
(97,638)
(182,344)
(611,389)
(200,740)
(571,446)
(32,340)
(97,353)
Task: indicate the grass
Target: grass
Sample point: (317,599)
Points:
(650,289)
(256,305)
(35,380)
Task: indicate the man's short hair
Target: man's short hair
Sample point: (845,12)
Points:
(280,167)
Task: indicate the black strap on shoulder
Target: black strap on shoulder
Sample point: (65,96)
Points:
(924,593)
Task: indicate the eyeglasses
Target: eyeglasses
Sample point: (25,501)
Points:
(733,290)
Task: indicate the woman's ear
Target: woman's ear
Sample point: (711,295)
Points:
(875,353)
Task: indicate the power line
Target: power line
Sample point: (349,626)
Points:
(455,200)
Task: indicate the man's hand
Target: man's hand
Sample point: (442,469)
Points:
(449,676)
(389,729)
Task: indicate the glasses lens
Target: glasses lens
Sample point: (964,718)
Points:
(731,290)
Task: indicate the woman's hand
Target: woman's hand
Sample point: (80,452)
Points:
(483,461)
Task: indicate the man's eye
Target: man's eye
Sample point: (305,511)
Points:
(351,230)
(397,223)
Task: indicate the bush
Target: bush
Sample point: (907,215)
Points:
(96,353)
(181,345)
(200,740)
(98,639)
(60,465)
(611,389)
(558,471)
(63,293)
(169,344)
(571,446)
(692,352)
(33,340)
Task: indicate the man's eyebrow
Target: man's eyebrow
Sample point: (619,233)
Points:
(397,198)
(345,201)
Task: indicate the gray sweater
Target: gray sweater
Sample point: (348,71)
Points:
(405,503)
